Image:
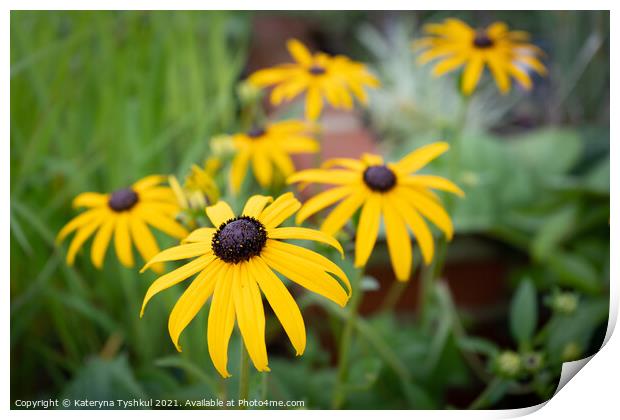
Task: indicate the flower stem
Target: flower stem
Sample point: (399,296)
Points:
(244,374)
(340,392)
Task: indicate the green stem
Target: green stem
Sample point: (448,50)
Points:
(393,296)
(340,392)
(244,375)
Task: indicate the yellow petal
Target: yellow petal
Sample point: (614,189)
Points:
(101,242)
(417,225)
(267,77)
(431,181)
(370,219)
(281,302)
(221,322)
(238,169)
(160,221)
(255,205)
(305,234)
(283,162)
(192,300)
(122,240)
(532,62)
(82,236)
(325,176)
(420,157)
(280,210)
(311,258)
(322,200)
(250,315)
(499,74)
(90,199)
(200,235)
(79,221)
(305,274)
(299,52)
(148,182)
(398,242)
(352,164)
(262,168)
(144,241)
(179,252)
(299,145)
(429,209)
(219,213)
(343,212)
(447,65)
(176,276)
(314,103)
(521,76)
(472,73)
(159,194)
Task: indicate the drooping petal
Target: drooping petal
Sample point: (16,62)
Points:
(314,103)
(176,276)
(263,171)
(144,241)
(161,221)
(399,245)
(238,169)
(82,236)
(221,322)
(343,212)
(325,176)
(311,257)
(499,74)
(219,213)
(101,242)
(79,221)
(280,210)
(368,228)
(352,164)
(281,302)
(305,234)
(521,76)
(472,73)
(179,252)
(429,209)
(420,157)
(122,240)
(306,275)
(250,315)
(432,181)
(282,161)
(322,200)
(417,225)
(192,299)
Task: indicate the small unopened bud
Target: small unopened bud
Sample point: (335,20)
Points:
(508,364)
(532,361)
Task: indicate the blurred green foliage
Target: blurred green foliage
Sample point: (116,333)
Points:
(99,99)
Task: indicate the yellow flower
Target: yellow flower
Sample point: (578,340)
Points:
(320,76)
(199,188)
(234,263)
(390,191)
(124,214)
(506,53)
(267,147)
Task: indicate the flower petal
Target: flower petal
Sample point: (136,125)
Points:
(255,205)
(343,212)
(431,181)
(238,169)
(398,242)
(280,210)
(429,209)
(179,252)
(420,157)
(282,303)
(148,182)
(417,225)
(368,228)
(200,235)
(305,234)
(90,199)
(219,213)
(122,240)
(82,236)
(101,242)
(144,241)
(322,200)
(221,321)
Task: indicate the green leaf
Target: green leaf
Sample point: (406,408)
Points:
(540,150)
(523,313)
(556,228)
(576,271)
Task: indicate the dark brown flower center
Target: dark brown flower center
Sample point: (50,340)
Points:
(256,132)
(316,70)
(482,40)
(122,200)
(379,178)
(239,239)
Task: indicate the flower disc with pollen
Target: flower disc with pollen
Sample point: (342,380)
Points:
(239,239)
(379,178)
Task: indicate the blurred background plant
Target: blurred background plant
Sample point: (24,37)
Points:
(99,99)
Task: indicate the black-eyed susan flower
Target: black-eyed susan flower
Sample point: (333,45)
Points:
(388,191)
(234,262)
(506,53)
(267,148)
(125,216)
(320,76)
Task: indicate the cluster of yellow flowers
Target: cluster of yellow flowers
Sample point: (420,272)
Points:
(236,258)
